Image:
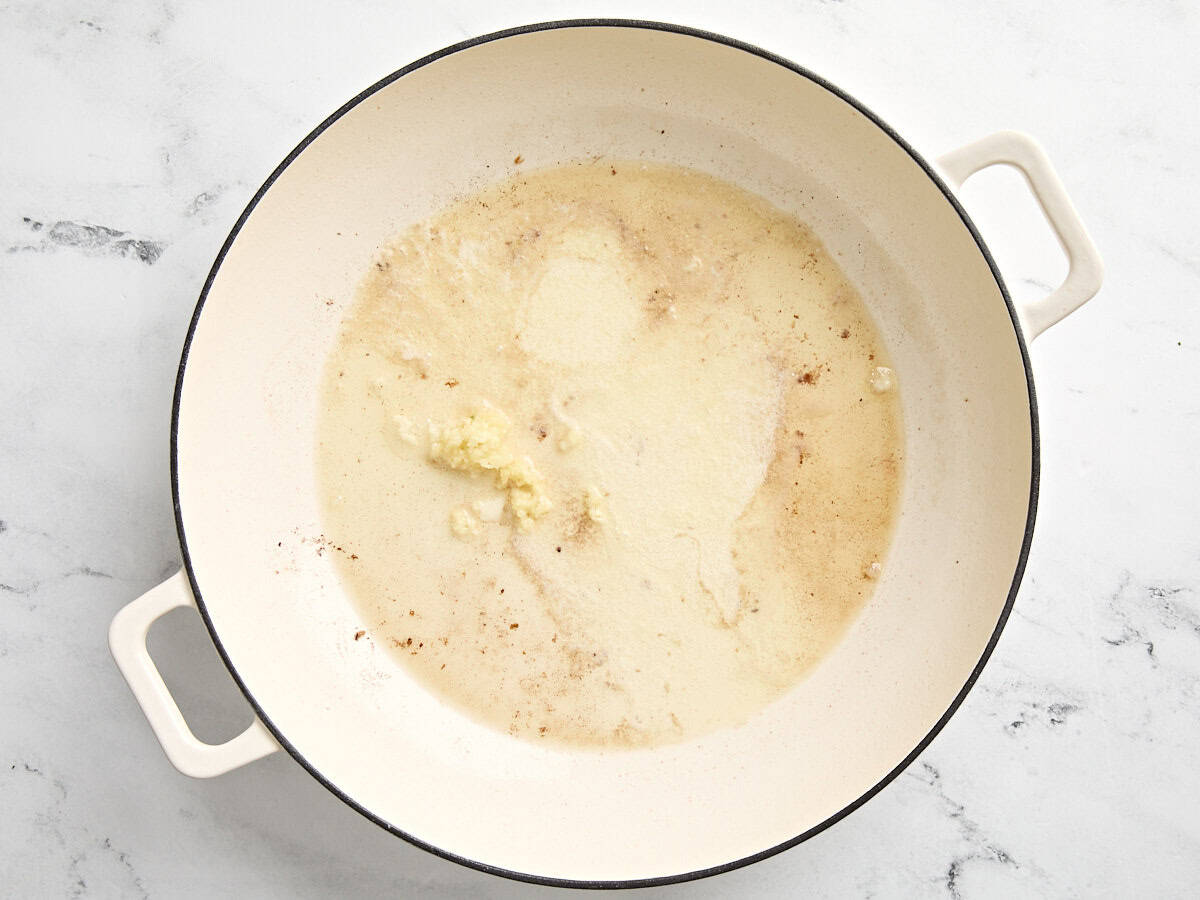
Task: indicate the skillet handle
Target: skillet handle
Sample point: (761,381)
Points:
(189,754)
(1024,154)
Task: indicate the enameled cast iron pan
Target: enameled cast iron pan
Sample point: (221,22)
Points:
(242,448)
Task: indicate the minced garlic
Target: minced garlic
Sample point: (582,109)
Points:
(462,523)
(527,498)
(475,443)
(479,443)
(405,430)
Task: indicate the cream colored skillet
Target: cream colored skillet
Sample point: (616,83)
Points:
(243,446)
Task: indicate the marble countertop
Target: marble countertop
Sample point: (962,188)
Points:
(134,135)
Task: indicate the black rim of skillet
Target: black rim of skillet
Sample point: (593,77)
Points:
(1025,543)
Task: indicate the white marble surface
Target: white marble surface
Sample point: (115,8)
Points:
(134,133)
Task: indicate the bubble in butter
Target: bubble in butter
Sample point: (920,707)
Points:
(614,435)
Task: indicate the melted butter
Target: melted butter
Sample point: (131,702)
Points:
(658,464)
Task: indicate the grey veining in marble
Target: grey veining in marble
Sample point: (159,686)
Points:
(134,133)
